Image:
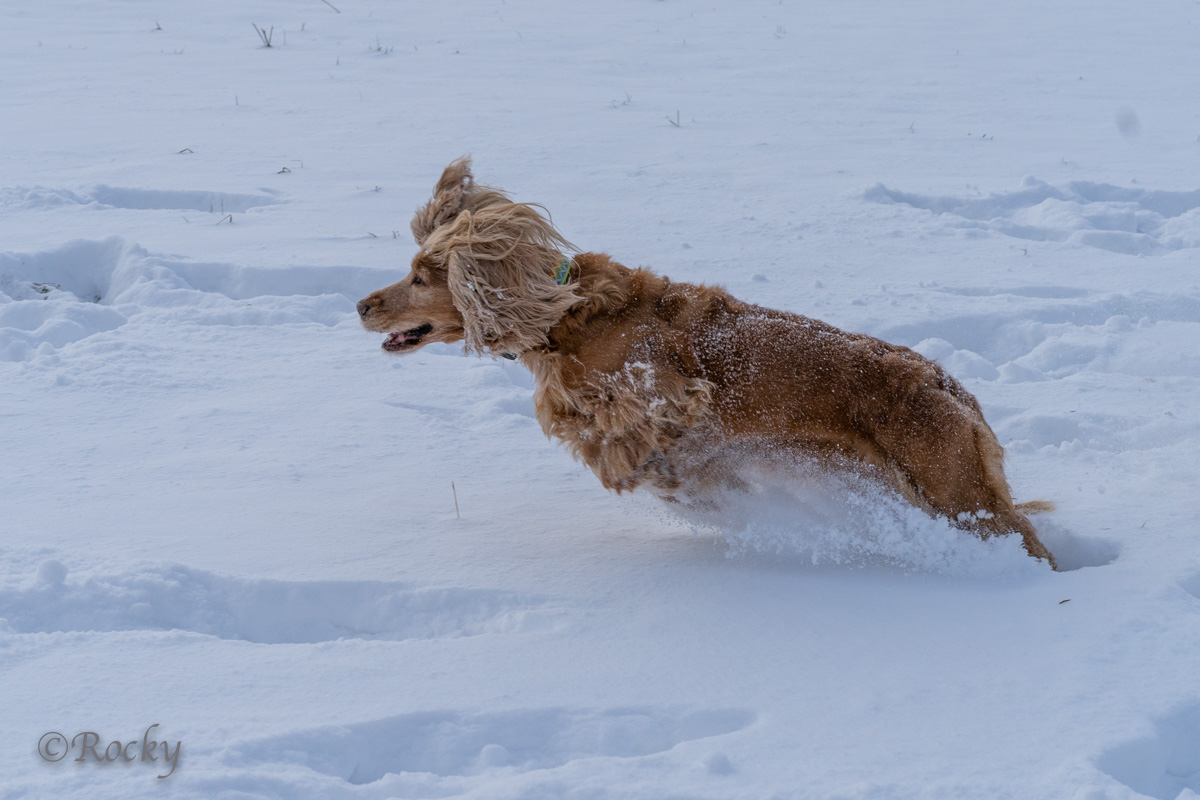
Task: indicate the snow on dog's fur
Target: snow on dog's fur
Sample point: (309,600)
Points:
(675,386)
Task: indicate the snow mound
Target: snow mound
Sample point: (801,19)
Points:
(1116,218)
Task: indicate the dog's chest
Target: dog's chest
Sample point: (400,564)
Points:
(624,423)
(574,402)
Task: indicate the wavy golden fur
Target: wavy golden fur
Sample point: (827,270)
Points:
(456,192)
(501,263)
(670,386)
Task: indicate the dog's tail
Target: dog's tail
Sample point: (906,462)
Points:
(1035,507)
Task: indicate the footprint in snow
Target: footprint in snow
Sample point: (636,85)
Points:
(1165,764)
(1047,338)
(266,611)
(1116,218)
(52,298)
(451,744)
(103,196)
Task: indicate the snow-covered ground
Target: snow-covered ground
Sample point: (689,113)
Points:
(227,513)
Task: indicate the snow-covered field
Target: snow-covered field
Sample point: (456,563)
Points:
(227,513)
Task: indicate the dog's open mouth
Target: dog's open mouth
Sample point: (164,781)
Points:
(400,341)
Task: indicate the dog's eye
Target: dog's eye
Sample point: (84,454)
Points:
(417,281)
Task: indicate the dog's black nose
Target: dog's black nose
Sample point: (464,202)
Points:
(363,308)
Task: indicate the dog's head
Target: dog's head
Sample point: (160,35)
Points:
(488,271)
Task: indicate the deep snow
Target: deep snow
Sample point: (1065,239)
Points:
(228,513)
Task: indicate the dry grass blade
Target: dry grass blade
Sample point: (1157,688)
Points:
(264,34)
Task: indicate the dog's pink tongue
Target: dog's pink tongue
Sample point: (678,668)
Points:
(399,340)
(395,341)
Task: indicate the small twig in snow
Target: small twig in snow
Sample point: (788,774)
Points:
(264,34)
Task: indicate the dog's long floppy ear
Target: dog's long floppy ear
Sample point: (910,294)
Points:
(456,192)
(503,263)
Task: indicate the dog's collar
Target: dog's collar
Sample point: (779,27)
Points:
(562,273)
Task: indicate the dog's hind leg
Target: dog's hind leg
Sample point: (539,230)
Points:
(1006,516)
(956,465)
(1016,522)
